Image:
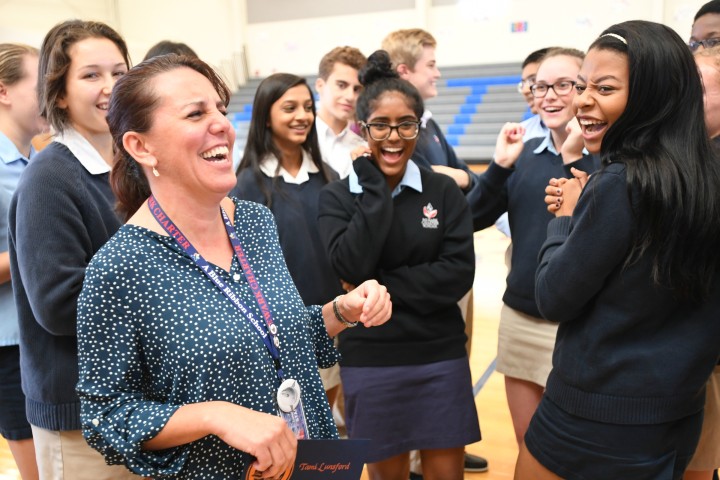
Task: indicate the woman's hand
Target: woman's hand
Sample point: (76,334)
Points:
(562,193)
(368,304)
(509,144)
(264,436)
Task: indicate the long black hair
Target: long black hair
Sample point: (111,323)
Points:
(260,139)
(662,139)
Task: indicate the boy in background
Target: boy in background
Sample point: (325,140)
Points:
(338,88)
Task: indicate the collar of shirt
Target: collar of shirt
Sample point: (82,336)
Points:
(325,133)
(426,116)
(534,127)
(9,152)
(269,166)
(547,144)
(90,158)
(411,179)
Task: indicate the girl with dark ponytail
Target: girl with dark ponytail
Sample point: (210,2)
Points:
(410,229)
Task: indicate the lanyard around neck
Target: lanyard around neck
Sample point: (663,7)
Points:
(267,329)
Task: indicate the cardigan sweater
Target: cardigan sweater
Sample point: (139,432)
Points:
(295,207)
(520,191)
(627,351)
(420,246)
(59,217)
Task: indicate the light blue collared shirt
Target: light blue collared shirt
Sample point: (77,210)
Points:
(547,144)
(534,127)
(411,179)
(12,164)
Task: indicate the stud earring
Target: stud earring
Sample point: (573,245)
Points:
(155,172)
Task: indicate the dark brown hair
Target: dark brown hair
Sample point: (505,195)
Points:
(55,62)
(132,105)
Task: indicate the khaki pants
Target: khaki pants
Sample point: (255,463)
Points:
(67,456)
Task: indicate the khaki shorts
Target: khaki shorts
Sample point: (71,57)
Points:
(525,346)
(330,376)
(707,454)
(67,456)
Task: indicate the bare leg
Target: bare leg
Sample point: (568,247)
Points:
(393,468)
(23,451)
(332,395)
(523,398)
(698,475)
(443,464)
(528,468)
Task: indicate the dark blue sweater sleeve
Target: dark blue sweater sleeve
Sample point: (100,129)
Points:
(354,237)
(450,274)
(581,251)
(52,246)
(488,198)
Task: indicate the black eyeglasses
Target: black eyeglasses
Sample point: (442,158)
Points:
(707,43)
(381,131)
(563,87)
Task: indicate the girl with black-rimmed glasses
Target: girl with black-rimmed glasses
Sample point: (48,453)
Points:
(407,385)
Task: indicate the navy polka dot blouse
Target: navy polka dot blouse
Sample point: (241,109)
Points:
(154,333)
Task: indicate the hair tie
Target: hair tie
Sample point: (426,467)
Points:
(614,35)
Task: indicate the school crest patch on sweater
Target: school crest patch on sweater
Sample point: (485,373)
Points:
(430,220)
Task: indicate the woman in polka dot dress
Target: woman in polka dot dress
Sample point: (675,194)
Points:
(176,378)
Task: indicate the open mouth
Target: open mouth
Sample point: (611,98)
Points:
(103,106)
(592,127)
(392,154)
(216,154)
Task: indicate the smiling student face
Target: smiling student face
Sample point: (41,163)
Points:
(338,94)
(602,94)
(424,74)
(95,66)
(393,153)
(555,108)
(291,117)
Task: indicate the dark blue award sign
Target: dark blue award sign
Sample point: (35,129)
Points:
(330,459)
(324,459)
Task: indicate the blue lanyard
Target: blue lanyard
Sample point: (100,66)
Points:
(267,330)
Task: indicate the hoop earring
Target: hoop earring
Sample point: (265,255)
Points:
(155,172)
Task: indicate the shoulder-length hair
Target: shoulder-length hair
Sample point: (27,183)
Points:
(55,62)
(260,138)
(662,139)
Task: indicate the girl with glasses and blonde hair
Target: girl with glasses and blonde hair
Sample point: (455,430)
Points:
(512,183)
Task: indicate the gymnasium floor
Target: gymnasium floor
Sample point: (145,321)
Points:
(498,444)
